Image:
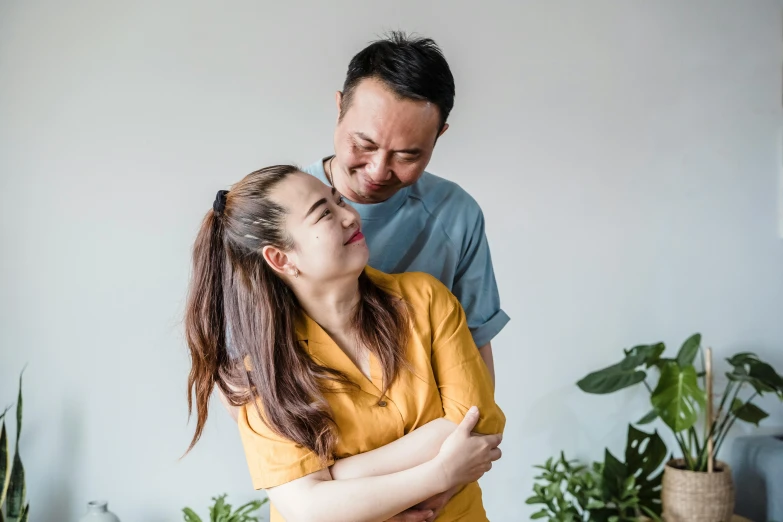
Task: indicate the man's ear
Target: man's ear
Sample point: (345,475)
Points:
(338,101)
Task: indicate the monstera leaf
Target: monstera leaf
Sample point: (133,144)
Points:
(645,454)
(678,398)
(760,375)
(625,373)
(688,351)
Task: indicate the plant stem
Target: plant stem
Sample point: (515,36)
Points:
(725,432)
(703,367)
(726,393)
(685,453)
(723,435)
(716,422)
(729,413)
(695,439)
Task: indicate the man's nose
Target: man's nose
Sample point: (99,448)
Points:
(378,169)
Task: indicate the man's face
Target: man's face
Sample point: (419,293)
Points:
(382,143)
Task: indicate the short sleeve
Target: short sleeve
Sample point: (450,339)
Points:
(476,288)
(272,459)
(461,374)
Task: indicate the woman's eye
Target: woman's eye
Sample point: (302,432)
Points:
(341,201)
(325,213)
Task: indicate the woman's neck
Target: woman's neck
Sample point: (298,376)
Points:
(332,306)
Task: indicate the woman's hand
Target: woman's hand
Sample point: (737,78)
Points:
(465,457)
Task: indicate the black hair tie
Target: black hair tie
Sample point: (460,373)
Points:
(220,202)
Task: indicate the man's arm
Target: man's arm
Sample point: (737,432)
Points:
(475,285)
(486,354)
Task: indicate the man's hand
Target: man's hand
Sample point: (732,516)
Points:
(428,510)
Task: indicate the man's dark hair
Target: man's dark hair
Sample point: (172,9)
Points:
(412,68)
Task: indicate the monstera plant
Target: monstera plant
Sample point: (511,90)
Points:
(12,483)
(678,397)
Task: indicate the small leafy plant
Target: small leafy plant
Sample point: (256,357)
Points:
(220,511)
(609,491)
(678,399)
(12,483)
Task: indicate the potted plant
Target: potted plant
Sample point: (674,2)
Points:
(608,491)
(12,482)
(696,487)
(221,511)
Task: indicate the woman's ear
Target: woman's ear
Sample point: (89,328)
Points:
(279,261)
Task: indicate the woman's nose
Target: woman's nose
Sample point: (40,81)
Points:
(349,218)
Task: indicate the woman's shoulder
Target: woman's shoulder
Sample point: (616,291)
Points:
(414,287)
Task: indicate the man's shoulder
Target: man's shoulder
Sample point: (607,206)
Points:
(316,169)
(442,196)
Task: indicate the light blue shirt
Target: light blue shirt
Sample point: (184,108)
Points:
(434,226)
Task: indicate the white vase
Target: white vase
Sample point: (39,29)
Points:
(98,511)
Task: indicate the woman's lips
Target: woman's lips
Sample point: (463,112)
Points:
(358,236)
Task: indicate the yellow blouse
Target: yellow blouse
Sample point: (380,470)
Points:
(448,377)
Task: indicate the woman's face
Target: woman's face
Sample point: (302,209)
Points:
(326,231)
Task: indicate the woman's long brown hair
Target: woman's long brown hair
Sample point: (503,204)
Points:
(240,310)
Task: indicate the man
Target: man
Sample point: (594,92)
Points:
(394,105)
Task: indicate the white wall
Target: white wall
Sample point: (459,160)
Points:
(626,155)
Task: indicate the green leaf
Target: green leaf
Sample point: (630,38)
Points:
(742,358)
(5,464)
(740,374)
(190,515)
(16,489)
(535,499)
(751,413)
(677,397)
(645,454)
(242,513)
(19,412)
(647,354)
(766,374)
(541,514)
(651,416)
(611,379)
(595,504)
(749,368)
(614,474)
(623,374)
(650,513)
(25,513)
(688,351)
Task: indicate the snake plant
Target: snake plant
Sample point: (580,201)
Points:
(12,484)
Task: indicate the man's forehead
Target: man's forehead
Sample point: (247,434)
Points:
(378,113)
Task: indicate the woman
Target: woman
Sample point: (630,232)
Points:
(339,363)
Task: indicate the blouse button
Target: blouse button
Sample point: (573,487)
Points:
(382,404)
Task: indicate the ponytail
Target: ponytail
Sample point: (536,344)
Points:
(205,319)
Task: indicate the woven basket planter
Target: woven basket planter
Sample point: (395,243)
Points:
(690,496)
